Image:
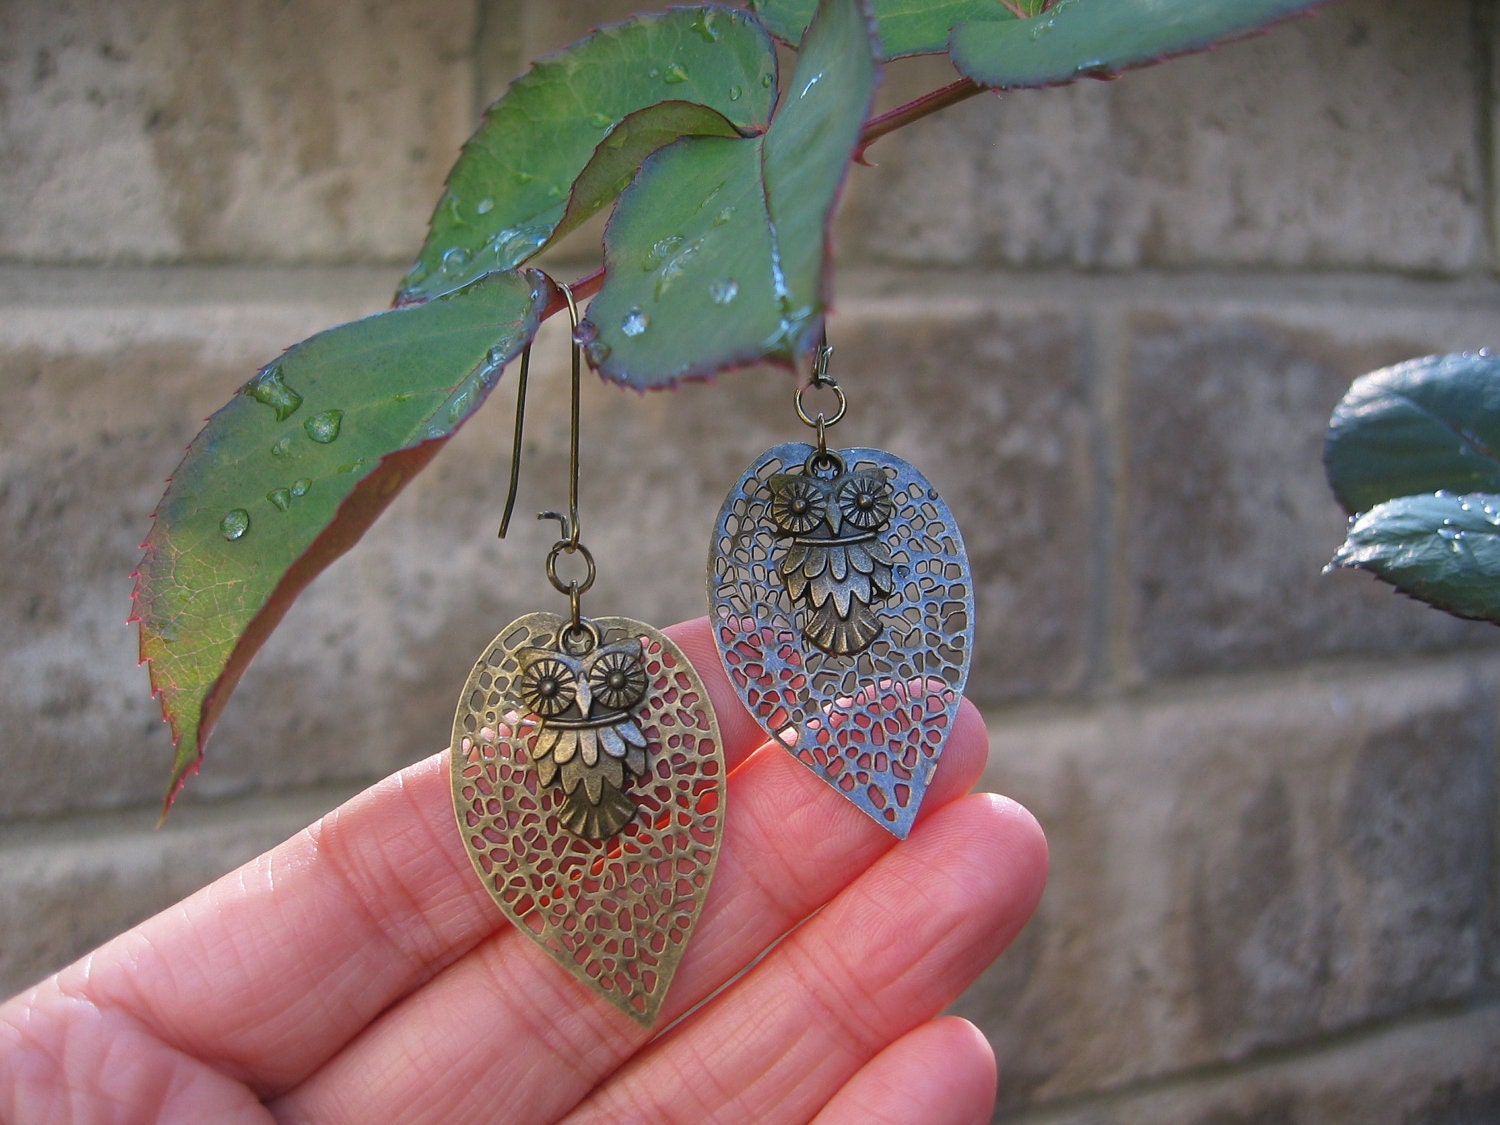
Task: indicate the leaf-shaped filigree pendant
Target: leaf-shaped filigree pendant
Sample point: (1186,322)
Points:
(843,607)
(588,781)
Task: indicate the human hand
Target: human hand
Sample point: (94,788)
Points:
(360,972)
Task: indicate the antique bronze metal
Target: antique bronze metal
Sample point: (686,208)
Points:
(588,777)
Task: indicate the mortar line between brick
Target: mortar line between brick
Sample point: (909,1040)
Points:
(1267,1060)
(1484,15)
(476,59)
(189,285)
(1104,354)
(86,828)
(1329,671)
(1489,909)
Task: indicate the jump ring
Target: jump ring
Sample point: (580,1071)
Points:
(564,546)
(821,419)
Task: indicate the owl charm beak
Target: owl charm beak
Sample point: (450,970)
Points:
(585,697)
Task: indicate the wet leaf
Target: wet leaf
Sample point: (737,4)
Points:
(1441,548)
(511,185)
(906,27)
(1101,38)
(620,155)
(1420,426)
(715,255)
(291,472)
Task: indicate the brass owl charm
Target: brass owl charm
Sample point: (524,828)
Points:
(588,782)
(835,565)
(586,740)
(842,605)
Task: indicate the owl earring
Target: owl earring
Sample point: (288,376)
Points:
(588,777)
(843,608)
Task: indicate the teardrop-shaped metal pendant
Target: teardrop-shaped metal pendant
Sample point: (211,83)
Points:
(588,782)
(842,604)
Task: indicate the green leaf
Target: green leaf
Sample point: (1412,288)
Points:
(510,188)
(1441,548)
(1420,426)
(715,255)
(290,473)
(1100,38)
(906,27)
(620,155)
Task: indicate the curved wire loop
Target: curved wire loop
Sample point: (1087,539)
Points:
(570,526)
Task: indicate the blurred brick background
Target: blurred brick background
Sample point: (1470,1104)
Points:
(1109,321)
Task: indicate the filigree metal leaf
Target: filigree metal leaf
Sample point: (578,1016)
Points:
(615,912)
(872,720)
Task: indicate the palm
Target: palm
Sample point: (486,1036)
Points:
(359,972)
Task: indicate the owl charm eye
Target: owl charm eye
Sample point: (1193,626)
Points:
(618,680)
(797,504)
(865,501)
(548,687)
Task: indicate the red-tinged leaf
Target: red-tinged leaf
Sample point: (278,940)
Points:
(729,236)
(511,185)
(288,475)
(620,155)
(906,27)
(1077,39)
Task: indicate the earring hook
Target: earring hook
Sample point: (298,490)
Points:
(570,528)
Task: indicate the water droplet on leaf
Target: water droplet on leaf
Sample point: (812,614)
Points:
(455,258)
(234,524)
(736,93)
(765,80)
(723,291)
(269,387)
(282,447)
(635,323)
(660,250)
(300,487)
(324,428)
(674,75)
(704,26)
(485,205)
(724,215)
(515,244)
(280,498)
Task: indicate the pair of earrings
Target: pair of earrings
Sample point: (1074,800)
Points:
(587,770)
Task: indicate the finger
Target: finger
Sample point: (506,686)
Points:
(508,1018)
(273,968)
(737,726)
(940,1073)
(888,953)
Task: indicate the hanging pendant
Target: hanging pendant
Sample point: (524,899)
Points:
(588,781)
(843,608)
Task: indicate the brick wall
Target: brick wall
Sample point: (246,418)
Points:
(1108,321)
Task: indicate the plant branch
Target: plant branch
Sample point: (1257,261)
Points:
(586,286)
(914,110)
